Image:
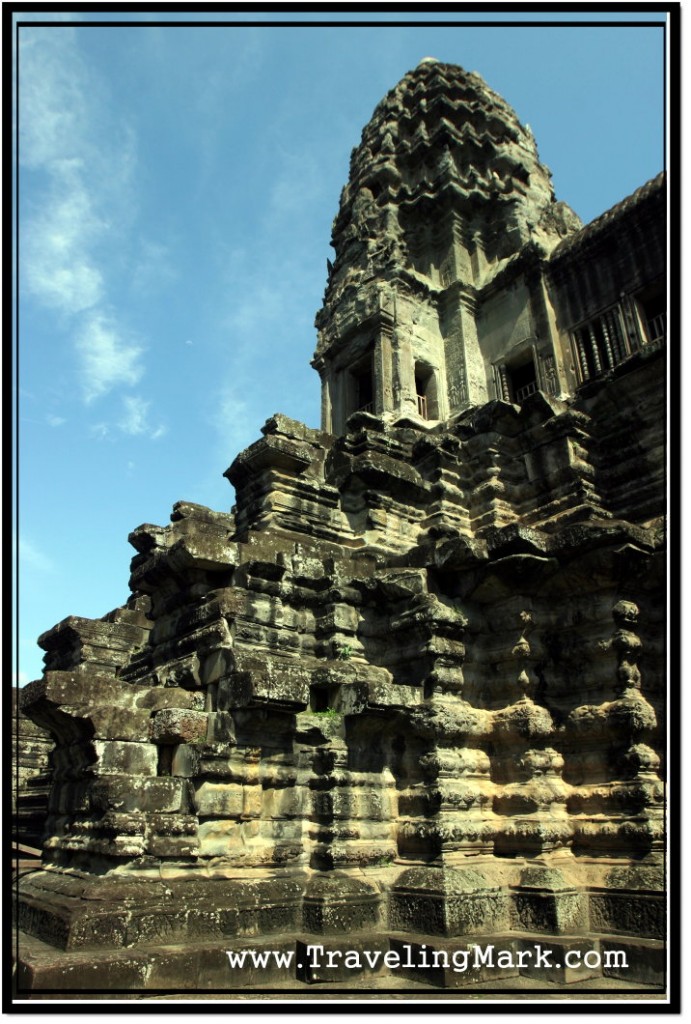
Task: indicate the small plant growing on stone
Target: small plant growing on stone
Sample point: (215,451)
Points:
(344,652)
(329,713)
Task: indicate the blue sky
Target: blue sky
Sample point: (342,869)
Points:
(177,188)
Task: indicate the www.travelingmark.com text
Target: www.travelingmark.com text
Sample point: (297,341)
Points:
(421,958)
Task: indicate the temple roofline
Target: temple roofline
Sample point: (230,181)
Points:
(607,219)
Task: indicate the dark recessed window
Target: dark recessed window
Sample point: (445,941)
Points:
(522,380)
(653,308)
(426,392)
(319,698)
(362,386)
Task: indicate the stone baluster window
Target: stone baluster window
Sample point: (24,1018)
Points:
(516,380)
(601,343)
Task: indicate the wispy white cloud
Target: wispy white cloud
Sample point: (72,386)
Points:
(58,267)
(78,198)
(55,421)
(53,97)
(64,219)
(31,556)
(135,420)
(108,358)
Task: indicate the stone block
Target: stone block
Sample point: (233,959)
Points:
(119,757)
(171,824)
(446,901)
(216,665)
(71,688)
(179,725)
(170,697)
(181,673)
(100,928)
(282,681)
(35,917)
(334,904)
(185,761)
(121,724)
(287,802)
(628,912)
(545,903)
(172,846)
(252,799)
(221,727)
(112,973)
(282,829)
(634,960)
(219,838)
(218,799)
(130,793)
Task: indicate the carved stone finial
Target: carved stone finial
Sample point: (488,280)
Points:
(522,648)
(625,613)
(626,645)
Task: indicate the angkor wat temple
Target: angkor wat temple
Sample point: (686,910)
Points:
(410,692)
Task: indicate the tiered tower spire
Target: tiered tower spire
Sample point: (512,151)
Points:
(445,189)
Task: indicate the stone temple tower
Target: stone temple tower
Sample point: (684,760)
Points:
(436,300)
(408,696)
